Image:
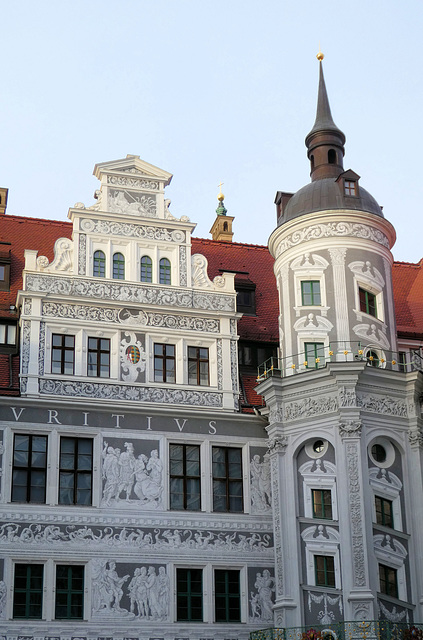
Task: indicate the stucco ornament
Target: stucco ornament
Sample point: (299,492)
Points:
(350,429)
(367,273)
(63,257)
(148,592)
(261,491)
(137,480)
(394,615)
(325,616)
(131,203)
(371,333)
(3,598)
(261,602)
(132,357)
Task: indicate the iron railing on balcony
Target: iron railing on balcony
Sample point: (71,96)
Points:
(318,356)
(364,630)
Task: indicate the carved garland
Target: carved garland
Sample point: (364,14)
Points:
(141,294)
(355,514)
(331,229)
(74,388)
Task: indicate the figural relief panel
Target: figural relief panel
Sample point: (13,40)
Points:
(261,587)
(142,593)
(132,478)
(260,487)
(133,357)
(132,202)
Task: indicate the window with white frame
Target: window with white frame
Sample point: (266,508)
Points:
(318,547)
(319,489)
(309,279)
(391,555)
(386,488)
(369,285)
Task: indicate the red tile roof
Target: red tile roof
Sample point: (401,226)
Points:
(408,295)
(252,262)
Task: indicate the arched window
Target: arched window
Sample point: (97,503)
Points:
(164,275)
(312,162)
(146,269)
(372,358)
(332,156)
(99,266)
(225,226)
(118,266)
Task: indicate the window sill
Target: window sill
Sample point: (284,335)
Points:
(311,308)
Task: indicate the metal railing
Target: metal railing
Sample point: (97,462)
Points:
(340,352)
(364,630)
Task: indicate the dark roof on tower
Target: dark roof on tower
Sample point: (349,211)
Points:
(325,150)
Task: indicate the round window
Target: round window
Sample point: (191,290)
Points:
(316,448)
(381,453)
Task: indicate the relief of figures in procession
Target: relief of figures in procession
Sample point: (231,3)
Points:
(131,477)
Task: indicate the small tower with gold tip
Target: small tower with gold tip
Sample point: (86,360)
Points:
(222,226)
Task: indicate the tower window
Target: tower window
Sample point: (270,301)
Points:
(118,266)
(384,512)
(332,157)
(388,579)
(324,567)
(350,187)
(312,162)
(367,302)
(314,354)
(322,503)
(310,293)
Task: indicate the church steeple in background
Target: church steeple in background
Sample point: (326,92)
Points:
(325,142)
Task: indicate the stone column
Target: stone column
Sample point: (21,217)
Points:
(341,301)
(358,598)
(414,520)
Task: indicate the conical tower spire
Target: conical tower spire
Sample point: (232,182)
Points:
(325,142)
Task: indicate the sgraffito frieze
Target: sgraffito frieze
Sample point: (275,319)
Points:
(219,364)
(131,230)
(183,274)
(355,514)
(129,317)
(126,537)
(125,292)
(309,407)
(382,405)
(332,229)
(41,349)
(26,345)
(74,388)
(82,258)
(139,183)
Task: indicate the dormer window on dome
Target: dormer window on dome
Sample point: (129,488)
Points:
(350,188)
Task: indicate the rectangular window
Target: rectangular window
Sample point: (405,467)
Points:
(75,471)
(388,580)
(350,188)
(62,354)
(227,596)
(99,357)
(28,591)
(402,361)
(384,512)
(246,298)
(5,277)
(29,468)
(314,354)
(164,363)
(69,592)
(198,366)
(324,567)
(227,479)
(185,481)
(322,503)
(367,302)
(7,334)
(310,293)
(189,595)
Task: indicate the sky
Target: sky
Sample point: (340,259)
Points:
(210,90)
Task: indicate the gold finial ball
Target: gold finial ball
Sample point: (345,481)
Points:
(220,196)
(320,56)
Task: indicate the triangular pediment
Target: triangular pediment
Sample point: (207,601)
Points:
(132,165)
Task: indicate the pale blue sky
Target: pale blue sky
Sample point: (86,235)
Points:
(210,90)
